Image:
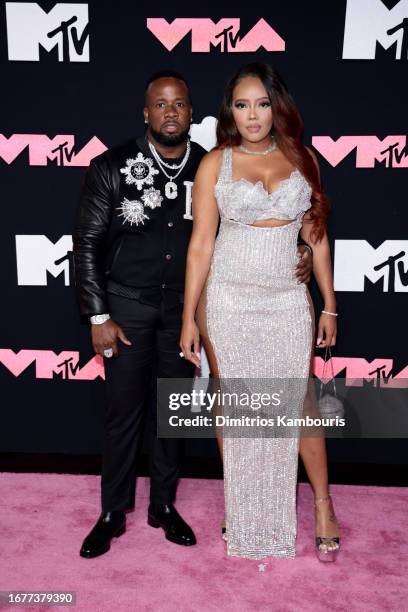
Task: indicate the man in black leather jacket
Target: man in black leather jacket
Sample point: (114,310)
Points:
(130,245)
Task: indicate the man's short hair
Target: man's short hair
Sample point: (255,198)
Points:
(167,74)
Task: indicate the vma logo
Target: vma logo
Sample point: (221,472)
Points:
(357,371)
(37,257)
(49,365)
(390,152)
(356,260)
(225,34)
(29,27)
(372,27)
(67,365)
(42,149)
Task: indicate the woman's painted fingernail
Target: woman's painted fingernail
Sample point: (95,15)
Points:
(318,341)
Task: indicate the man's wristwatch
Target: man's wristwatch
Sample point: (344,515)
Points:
(99,319)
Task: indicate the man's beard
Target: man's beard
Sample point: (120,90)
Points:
(169,140)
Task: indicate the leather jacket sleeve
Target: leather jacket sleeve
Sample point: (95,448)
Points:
(90,237)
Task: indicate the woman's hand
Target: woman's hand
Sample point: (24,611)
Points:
(327,330)
(190,336)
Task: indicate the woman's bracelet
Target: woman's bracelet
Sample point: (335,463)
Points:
(333,314)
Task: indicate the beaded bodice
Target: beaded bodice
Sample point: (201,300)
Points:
(247,202)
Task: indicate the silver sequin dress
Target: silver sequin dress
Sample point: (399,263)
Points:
(260,326)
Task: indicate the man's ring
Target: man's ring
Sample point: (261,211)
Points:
(108,353)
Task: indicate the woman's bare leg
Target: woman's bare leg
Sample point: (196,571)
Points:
(313,453)
(201,320)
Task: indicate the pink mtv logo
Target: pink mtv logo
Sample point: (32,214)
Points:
(225,33)
(66,365)
(390,151)
(48,364)
(357,370)
(42,149)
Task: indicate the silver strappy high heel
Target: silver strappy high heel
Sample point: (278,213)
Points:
(327,548)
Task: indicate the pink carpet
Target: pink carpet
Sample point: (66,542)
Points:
(45,517)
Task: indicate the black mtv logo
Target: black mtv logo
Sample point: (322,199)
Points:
(228,40)
(393,156)
(391,52)
(381,376)
(404,44)
(68,367)
(64,154)
(70,258)
(70,34)
(393,269)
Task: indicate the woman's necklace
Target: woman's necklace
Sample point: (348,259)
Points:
(170,188)
(271,148)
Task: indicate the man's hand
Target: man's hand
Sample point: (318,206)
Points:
(305,265)
(106,336)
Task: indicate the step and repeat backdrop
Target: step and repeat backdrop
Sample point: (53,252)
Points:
(73,76)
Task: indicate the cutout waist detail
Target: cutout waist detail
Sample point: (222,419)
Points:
(251,226)
(271,222)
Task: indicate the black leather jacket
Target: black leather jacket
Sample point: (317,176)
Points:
(110,248)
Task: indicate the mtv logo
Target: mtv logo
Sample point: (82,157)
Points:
(42,149)
(65,26)
(207,34)
(390,151)
(369,22)
(37,255)
(48,364)
(356,260)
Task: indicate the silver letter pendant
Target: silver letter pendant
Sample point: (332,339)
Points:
(170,190)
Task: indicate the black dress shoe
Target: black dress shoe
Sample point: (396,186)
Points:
(175,528)
(97,542)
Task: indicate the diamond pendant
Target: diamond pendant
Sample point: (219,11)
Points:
(170,190)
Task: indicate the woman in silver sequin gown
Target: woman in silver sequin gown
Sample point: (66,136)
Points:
(257,318)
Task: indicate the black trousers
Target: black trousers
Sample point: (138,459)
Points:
(154,331)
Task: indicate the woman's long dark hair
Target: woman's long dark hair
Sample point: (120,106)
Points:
(287,130)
